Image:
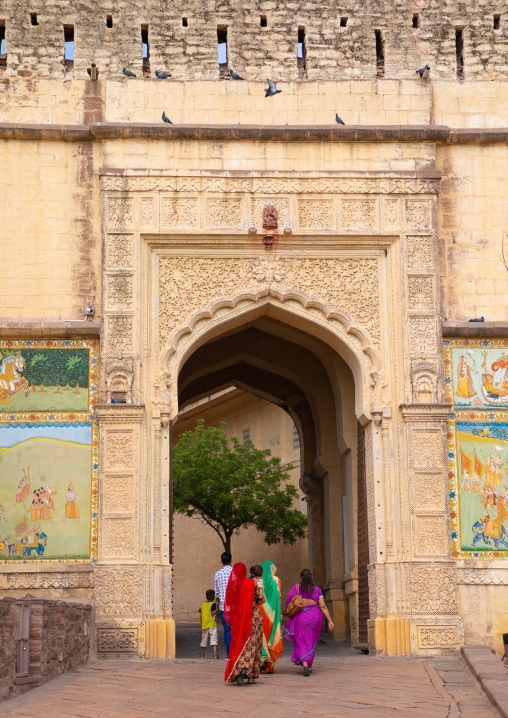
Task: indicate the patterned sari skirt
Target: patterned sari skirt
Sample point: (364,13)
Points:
(250,657)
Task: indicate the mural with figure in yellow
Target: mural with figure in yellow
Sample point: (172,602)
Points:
(47,478)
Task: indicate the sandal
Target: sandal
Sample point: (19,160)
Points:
(216,657)
(201,656)
(306,671)
(241,677)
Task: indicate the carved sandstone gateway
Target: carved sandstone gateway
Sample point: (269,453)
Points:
(382,241)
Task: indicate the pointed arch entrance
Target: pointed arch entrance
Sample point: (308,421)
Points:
(268,352)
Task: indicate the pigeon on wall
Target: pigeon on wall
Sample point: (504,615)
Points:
(271,89)
(128,73)
(234,75)
(423,72)
(165,118)
(162,75)
(338,120)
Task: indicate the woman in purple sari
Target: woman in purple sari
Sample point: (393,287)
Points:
(304,629)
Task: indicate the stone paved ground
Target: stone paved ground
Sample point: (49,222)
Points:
(344,683)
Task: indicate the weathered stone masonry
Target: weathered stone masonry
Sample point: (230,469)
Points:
(339,38)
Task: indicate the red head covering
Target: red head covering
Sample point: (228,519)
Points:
(238,612)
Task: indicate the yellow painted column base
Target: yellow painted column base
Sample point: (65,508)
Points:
(390,636)
(160,638)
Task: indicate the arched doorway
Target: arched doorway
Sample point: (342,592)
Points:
(279,359)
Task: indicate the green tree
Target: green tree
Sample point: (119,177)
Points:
(230,485)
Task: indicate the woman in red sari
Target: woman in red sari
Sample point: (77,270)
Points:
(241,612)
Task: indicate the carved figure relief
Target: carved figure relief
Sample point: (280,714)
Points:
(120,212)
(280,203)
(359,214)
(180,212)
(392,221)
(270,217)
(147,218)
(316,214)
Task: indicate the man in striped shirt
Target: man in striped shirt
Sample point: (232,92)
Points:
(220,583)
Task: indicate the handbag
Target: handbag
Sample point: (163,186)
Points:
(295,605)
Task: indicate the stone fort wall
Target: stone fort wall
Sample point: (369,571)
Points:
(339,40)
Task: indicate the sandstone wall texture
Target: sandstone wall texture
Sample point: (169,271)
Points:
(262,37)
(60,641)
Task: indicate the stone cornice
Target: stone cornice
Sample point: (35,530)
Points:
(119,413)
(46,329)
(440,134)
(474,330)
(425,412)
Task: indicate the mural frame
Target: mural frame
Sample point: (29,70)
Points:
(471,416)
(64,418)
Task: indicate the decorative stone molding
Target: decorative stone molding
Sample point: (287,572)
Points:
(482,576)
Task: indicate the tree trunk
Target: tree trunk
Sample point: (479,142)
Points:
(227,543)
(77,388)
(58,388)
(42,386)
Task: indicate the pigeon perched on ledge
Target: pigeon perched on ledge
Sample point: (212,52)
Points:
(128,73)
(165,118)
(480,319)
(234,75)
(162,75)
(338,120)
(423,72)
(271,89)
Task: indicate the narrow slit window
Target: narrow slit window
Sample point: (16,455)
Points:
(416,20)
(69,47)
(33,19)
(343,21)
(146,50)
(459,51)
(222,50)
(184,22)
(245,435)
(497,22)
(301,54)
(380,54)
(262,21)
(109,21)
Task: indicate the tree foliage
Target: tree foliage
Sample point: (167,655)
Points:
(230,485)
(55,366)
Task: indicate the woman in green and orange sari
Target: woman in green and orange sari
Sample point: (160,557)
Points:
(272,639)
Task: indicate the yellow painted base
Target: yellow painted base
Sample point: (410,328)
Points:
(390,636)
(160,638)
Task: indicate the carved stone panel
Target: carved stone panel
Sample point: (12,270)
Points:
(119,291)
(437,636)
(119,449)
(119,251)
(433,589)
(428,491)
(423,335)
(225,213)
(117,538)
(180,213)
(117,640)
(359,215)
(316,214)
(419,253)
(428,448)
(118,592)
(119,334)
(430,536)
(418,215)
(420,292)
(392,215)
(120,213)
(281,204)
(118,493)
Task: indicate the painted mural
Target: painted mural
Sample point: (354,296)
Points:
(477,387)
(44,379)
(479,374)
(48,450)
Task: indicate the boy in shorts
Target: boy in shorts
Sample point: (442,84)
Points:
(208,624)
